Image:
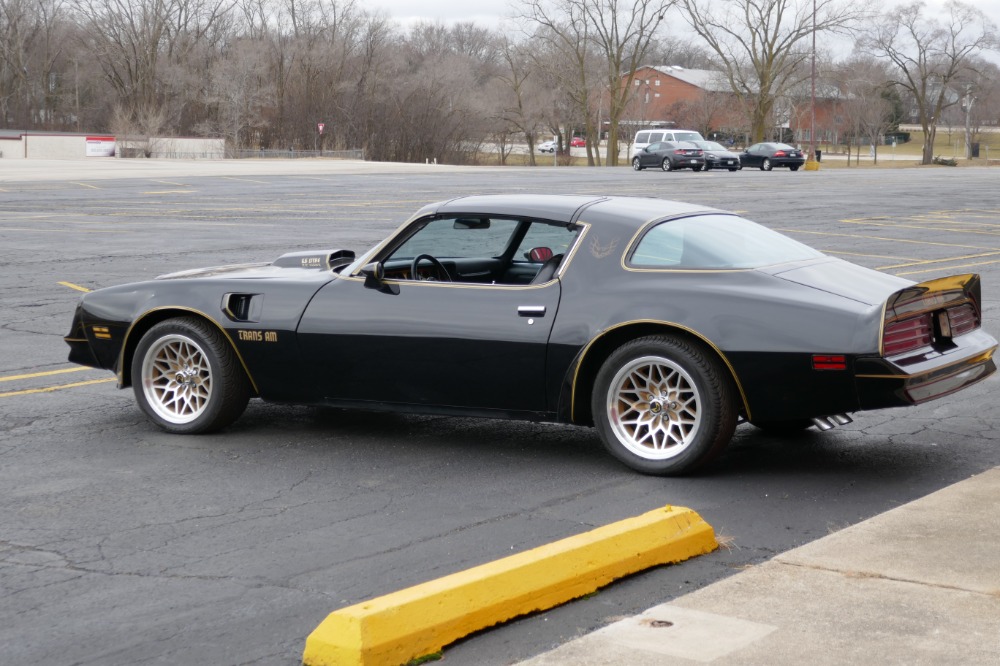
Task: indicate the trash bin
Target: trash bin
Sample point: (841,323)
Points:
(819,155)
(974,149)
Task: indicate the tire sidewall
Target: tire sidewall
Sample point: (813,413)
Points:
(717,405)
(213,346)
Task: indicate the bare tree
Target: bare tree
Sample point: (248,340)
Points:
(523,100)
(929,55)
(763,45)
(621,32)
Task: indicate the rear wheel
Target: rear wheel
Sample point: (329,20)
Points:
(666,164)
(663,405)
(636,164)
(187,378)
(766,165)
(697,168)
(794,168)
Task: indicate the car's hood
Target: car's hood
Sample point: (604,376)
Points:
(321,260)
(836,276)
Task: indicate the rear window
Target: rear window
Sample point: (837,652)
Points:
(715,242)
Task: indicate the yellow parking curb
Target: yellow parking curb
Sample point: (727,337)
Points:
(420,620)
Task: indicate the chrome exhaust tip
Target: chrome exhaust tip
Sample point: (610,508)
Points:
(825,423)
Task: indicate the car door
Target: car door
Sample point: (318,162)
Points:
(448,344)
(649,156)
(752,156)
(465,346)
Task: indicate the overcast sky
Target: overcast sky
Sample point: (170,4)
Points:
(490,12)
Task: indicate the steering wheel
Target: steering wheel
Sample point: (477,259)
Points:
(442,272)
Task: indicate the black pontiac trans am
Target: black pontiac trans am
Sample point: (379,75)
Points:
(661,324)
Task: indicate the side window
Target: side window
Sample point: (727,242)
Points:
(656,136)
(458,238)
(642,137)
(716,242)
(555,237)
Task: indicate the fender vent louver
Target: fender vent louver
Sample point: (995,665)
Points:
(242,307)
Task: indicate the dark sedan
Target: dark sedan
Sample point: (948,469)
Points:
(670,156)
(718,156)
(770,155)
(662,324)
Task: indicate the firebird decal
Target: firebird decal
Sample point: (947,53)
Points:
(601,251)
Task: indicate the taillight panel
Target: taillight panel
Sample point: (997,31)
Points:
(921,317)
(908,334)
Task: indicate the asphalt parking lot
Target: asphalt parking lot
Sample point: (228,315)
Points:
(123,545)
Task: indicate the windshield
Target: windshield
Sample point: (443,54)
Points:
(716,242)
(710,145)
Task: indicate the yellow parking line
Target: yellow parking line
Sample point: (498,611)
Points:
(863,254)
(50,389)
(48,373)
(924,262)
(881,238)
(247,180)
(93,187)
(933,270)
(73,286)
(897,225)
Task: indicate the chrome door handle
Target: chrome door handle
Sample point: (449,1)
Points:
(531,311)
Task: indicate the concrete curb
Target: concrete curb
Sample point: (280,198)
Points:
(421,620)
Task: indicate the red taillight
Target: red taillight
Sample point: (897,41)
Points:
(908,334)
(779,153)
(829,362)
(962,319)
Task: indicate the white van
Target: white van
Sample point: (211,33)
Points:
(645,137)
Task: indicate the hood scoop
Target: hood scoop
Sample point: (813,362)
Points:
(323,260)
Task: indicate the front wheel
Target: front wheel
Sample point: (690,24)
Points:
(187,378)
(636,164)
(663,405)
(766,165)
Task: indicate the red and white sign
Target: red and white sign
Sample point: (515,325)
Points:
(320,127)
(100,146)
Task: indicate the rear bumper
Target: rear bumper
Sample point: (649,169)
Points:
(919,378)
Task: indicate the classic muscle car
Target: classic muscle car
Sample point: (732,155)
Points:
(662,324)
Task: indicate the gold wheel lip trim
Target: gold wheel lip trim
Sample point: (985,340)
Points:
(660,322)
(232,343)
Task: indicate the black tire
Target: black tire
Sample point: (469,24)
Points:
(187,378)
(783,428)
(666,164)
(697,168)
(734,168)
(636,164)
(685,426)
(766,165)
(794,168)
(708,167)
